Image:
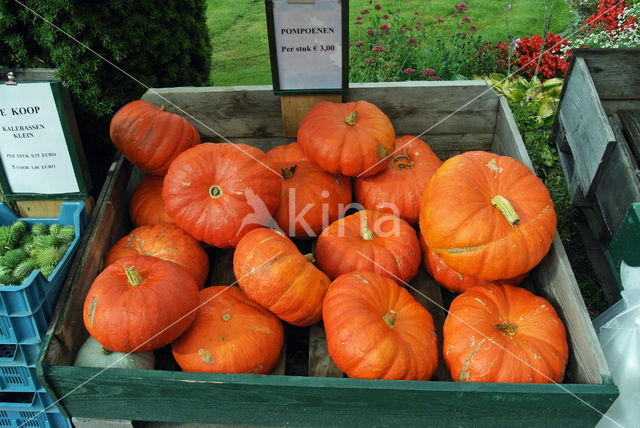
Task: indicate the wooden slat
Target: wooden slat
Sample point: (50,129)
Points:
(320,362)
(507,140)
(28,74)
(614,71)
(46,208)
(294,107)
(630,120)
(555,281)
(586,127)
(620,184)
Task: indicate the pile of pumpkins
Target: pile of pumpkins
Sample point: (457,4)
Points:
(478,222)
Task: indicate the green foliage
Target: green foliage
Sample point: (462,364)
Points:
(108,53)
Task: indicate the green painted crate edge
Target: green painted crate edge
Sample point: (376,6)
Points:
(625,245)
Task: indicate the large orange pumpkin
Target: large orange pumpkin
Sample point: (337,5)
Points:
(354,139)
(151,137)
(504,333)
(271,271)
(146,206)
(140,304)
(400,186)
(165,241)
(369,240)
(312,198)
(231,334)
(219,191)
(487,216)
(452,280)
(376,330)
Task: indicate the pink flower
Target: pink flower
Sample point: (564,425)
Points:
(371,31)
(377,6)
(377,49)
(462,7)
(453,15)
(473,28)
(359,17)
(364,11)
(357,23)
(412,41)
(384,28)
(440,19)
(428,72)
(385,16)
(416,13)
(358,44)
(402,31)
(409,70)
(435,78)
(369,61)
(466,19)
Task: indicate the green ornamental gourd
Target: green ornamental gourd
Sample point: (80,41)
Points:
(92,354)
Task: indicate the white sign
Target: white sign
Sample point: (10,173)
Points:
(32,144)
(308,41)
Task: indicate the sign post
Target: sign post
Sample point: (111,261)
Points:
(309,47)
(40,152)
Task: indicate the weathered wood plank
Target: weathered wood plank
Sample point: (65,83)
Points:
(630,120)
(614,71)
(46,207)
(28,74)
(555,281)
(507,140)
(620,184)
(320,362)
(312,401)
(586,128)
(294,107)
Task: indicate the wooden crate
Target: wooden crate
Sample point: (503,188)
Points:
(597,132)
(306,388)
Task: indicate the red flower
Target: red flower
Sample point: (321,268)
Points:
(377,6)
(440,19)
(364,11)
(462,7)
(428,72)
(371,31)
(435,78)
(466,19)
(412,41)
(384,28)
(385,16)
(473,28)
(358,44)
(409,70)
(377,49)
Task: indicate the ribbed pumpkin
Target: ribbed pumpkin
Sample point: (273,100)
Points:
(231,334)
(140,304)
(312,198)
(146,206)
(376,330)
(217,192)
(165,241)
(151,137)
(369,240)
(504,333)
(452,280)
(400,186)
(352,138)
(487,216)
(271,271)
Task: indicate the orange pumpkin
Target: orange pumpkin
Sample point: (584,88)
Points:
(376,330)
(146,206)
(165,241)
(487,216)
(354,139)
(452,280)
(369,240)
(400,186)
(140,304)
(151,137)
(217,192)
(231,334)
(311,198)
(497,333)
(271,271)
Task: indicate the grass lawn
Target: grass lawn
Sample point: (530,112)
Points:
(238,29)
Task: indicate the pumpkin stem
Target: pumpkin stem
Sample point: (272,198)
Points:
(287,173)
(105,351)
(351,119)
(390,318)
(504,206)
(398,162)
(215,191)
(133,276)
(508,327)
(310,257)
(365,231)
(163,107)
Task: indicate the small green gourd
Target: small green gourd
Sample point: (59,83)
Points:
(23,270)
(13,258)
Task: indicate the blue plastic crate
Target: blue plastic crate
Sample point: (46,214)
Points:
(19,354)
(26,327)
(18,379)
(28,418)
(27,297)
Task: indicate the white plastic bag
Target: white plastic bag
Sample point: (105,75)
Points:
(618,330)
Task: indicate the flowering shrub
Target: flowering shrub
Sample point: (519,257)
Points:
(554,61)
(614,26)
(391,47)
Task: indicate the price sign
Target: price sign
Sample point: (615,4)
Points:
(37,142)
(308,41)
